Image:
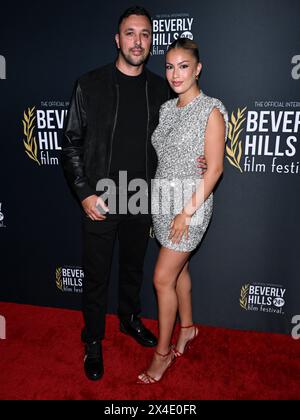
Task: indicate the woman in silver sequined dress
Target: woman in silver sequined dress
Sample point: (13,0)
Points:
(182,201)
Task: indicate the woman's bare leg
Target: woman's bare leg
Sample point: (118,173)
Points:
(184,296)
(169,265)
(183,291)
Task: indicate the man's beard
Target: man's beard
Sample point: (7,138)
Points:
(139,60)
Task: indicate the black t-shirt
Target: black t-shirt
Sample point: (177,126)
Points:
(129,142)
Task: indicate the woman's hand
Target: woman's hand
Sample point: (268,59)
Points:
(179,227)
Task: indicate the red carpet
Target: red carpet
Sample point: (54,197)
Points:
(41,358)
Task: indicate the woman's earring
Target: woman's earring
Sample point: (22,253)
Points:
(197,76)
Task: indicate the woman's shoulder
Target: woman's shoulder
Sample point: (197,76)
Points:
(213,102)
(217,103)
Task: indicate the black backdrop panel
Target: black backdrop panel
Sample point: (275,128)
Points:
(245,273)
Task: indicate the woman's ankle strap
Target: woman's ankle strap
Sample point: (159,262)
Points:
(188,326)
(164,355)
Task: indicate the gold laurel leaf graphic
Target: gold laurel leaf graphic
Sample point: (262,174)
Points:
(31,122)
(234,148)
(233,119)
(30,141)
(244,296)
(240,112)
(240,152)
(24,127)
(234,143)
(31,111)
(30,133)
(230,130)
(29,154)
(59,279)
(229,151)
(35,146)
(26,118)
(240,123)
(27,147)
(232,162)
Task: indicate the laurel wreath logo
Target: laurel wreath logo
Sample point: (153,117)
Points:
(244,296)
(59,279)
(30,141)
(234,149)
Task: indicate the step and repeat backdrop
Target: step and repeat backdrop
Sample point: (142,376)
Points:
(246,271)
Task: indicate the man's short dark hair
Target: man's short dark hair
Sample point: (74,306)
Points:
(134,10)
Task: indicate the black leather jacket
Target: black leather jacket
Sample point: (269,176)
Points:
(90,127)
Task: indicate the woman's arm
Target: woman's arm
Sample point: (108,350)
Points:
(214,155)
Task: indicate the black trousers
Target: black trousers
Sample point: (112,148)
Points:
(98,241)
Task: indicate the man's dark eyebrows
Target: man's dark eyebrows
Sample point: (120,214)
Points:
(143,30)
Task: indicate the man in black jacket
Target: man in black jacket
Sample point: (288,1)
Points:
(112,115)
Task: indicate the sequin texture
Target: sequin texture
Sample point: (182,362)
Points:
(178,141)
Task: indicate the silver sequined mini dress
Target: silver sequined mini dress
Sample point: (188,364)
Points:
(178,141)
